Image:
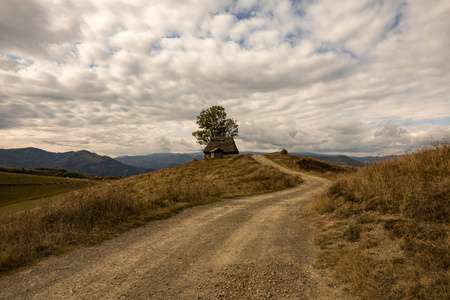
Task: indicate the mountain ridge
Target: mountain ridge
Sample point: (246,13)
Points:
(87,162)
(81,161)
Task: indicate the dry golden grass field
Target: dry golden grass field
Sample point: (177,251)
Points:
(385,228)
(94,214)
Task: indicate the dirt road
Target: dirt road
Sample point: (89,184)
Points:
(256,247)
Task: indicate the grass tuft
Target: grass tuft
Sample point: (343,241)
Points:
(352,233)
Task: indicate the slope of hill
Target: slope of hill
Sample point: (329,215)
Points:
(81,161)
(340,160)
(386,227)
(158,161)
(310,164)
(93,214)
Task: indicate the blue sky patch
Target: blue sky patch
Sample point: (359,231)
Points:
(113,51)
(242,44)
(61,63)
(327,47)
(244,14)
(398,19)
(12,56)
(296,4)
(353,55)
(74,49)
(19,58)
(173,35)
(324,48)
(442,121)
(157,48)
(411,122)
(292,39)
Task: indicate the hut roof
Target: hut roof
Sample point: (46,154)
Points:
(226,144)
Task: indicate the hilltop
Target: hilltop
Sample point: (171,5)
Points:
(310,164)
(77,161)
(158,161)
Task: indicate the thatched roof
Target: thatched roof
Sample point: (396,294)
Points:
(226,144)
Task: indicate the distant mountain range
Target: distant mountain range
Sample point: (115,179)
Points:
(80,161)
(90,163)
(342,160)
(158,161)
(373,159)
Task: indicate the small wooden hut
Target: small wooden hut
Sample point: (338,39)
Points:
(220,146)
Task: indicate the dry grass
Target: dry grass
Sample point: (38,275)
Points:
(310,164)
(94,214)
(322,204)
(415,186)
(387,231)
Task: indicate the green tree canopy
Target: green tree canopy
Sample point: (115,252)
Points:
(213,122)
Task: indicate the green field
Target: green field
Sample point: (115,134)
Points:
(19,188)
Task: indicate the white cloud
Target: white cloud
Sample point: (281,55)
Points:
(355,26)
(130,78)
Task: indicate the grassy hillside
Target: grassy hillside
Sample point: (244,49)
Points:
(91,215)
(15,188)
(158,161)
(309,164)
(386,231)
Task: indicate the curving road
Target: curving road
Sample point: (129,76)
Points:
(256,247)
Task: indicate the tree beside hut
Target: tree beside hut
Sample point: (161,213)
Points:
(213,122)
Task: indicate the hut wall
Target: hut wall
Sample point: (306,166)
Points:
(217,154)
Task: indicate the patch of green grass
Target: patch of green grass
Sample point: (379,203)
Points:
(16,188)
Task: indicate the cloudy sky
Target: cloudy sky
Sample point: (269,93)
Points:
(129,77)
